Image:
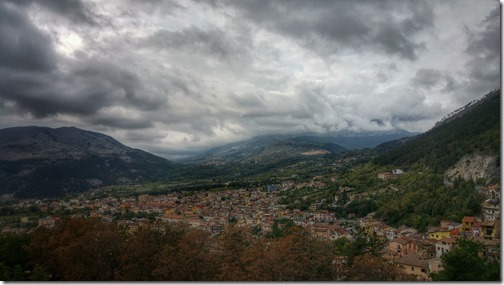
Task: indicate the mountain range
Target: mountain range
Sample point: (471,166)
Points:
(290,145)
(35,160)
(46,162)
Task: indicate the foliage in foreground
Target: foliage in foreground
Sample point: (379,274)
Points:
(464,264)
(81,249)
(88,250)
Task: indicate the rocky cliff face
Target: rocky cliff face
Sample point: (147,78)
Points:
(475,166)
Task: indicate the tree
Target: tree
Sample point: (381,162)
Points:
(4,272)
(40,274)
(77,250)
(364,243)
(281,227)
(13,250)
(17,273)
(190,260)
(141,250)
(231,244)
(295,257)
(372,268)
(464,264)
(341,246)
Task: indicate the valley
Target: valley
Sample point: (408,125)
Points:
(407,211)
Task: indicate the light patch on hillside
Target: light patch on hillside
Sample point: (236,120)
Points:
(316,152)
(474,166)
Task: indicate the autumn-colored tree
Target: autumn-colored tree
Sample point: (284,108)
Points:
(295,257)
(77,249)
(141,250)
(231,246)
(368,267)
(191,259)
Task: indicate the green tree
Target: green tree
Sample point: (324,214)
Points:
(464,264)
(40,274)
(13,250)
(17,273)
(4,272)
(362,243)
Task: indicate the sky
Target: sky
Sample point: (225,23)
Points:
(178,77)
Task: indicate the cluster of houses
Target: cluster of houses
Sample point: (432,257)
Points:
(419,254)
(416,253)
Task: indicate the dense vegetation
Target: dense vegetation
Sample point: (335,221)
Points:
(464,264)
(59,177)
(417,199)
(444,145)
(90,250)
(423,200)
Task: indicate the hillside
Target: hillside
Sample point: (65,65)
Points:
(361,140)
(40,161)
(475,130)
(266,149)
(296,145)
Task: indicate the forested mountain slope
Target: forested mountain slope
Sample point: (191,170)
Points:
(476,130)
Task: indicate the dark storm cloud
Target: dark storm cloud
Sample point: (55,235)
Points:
(213,42)
(174,76)
(429,78)
(83,90)
(120,122)
(393,40)
(22,45)
(329,26)
(74,10)
(483,44)
(486,43)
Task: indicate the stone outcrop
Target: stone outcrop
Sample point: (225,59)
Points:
(474,166)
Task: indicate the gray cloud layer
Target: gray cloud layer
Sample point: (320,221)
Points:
(175,77)
(329,26)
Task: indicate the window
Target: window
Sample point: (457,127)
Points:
(424,270)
